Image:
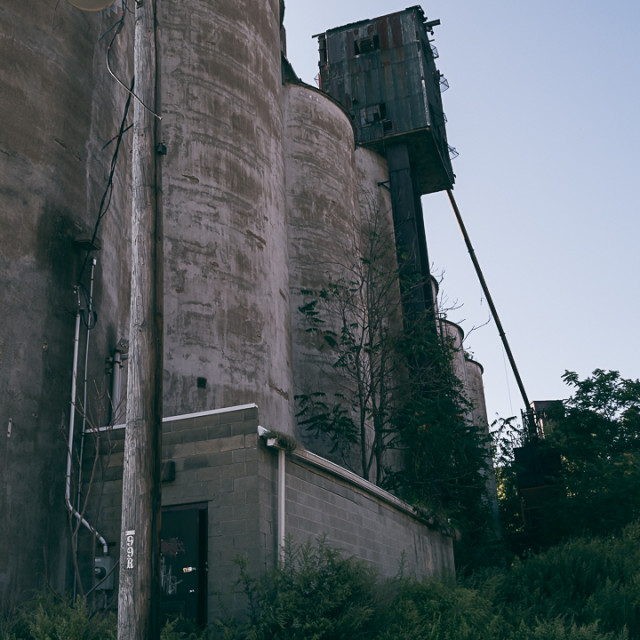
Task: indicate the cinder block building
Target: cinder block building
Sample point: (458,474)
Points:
(262,184)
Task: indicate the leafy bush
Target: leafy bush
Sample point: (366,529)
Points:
(585,589)
(587,585)
(316,593)
(49,616)
(432,609)
(559,629)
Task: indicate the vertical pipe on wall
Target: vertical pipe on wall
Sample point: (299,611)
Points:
(85,384)
(282,477)
(72,418)
(116,378)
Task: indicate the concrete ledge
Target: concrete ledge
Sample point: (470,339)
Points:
(186,416)
(211,412)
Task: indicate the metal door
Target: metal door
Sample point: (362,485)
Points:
(183,562)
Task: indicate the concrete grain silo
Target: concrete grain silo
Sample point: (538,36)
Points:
(324,223)
(226,278)
(474,388)
(453,333)
(59,110)
(263,193)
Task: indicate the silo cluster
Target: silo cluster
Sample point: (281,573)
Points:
(263,189)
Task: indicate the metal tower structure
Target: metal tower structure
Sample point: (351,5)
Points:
(382,71)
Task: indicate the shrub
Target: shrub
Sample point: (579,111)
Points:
(585,589)
(559,629)
(438,611)
(316,594)
(590,582)
(49,616)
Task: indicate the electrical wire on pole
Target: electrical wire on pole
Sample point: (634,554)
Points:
(138,594)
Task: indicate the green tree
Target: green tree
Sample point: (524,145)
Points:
(596,433)
(357,320)
(399,403)
(446,457)
(598,439)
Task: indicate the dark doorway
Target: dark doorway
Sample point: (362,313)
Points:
(183,562)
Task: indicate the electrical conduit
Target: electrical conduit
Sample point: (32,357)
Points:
(67,495)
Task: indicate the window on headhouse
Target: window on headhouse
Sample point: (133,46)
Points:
(366,45)
(373,113)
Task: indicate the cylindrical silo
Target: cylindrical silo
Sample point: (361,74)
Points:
(323,225)
(435,289)
(474,389)
(59,109)
(225,252)
(454,334)
(377,215)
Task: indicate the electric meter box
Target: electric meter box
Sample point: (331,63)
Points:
(102,568)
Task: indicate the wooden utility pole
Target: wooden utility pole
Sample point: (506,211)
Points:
(138,594)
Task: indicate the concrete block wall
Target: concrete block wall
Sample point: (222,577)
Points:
(361,520)
(220,461)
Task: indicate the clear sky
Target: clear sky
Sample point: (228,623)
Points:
(544,109)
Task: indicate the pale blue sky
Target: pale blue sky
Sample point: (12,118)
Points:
(544,109)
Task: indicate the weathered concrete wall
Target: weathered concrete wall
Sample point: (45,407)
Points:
(361,520)
(53,173)
(226,277)
(323,226)
(373,175)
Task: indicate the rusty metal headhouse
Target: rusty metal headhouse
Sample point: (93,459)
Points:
(383,72)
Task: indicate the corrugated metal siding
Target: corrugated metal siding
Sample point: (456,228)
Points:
(391,89)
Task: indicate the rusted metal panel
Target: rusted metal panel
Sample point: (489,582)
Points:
(383,73)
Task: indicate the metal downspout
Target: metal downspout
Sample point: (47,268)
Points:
(271,441)
(281,503)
